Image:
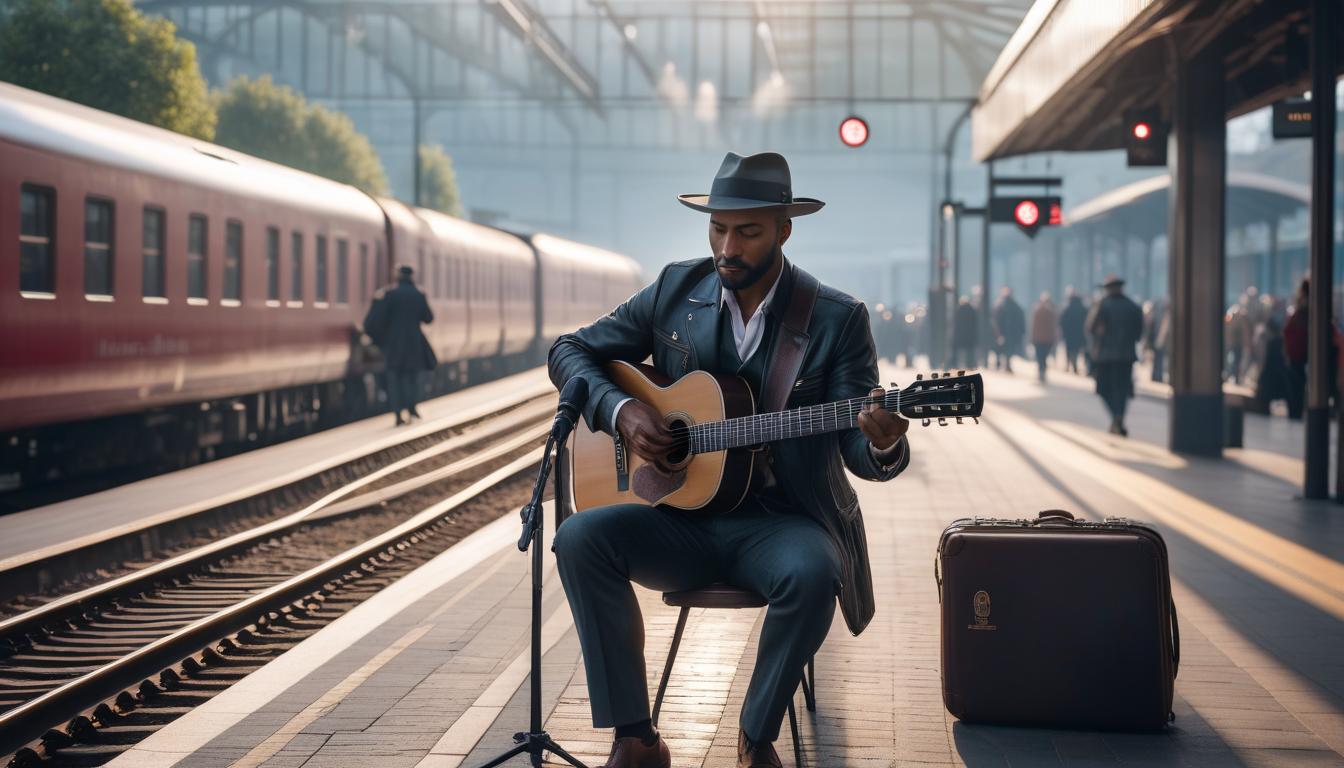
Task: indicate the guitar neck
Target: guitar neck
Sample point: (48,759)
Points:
(782,425)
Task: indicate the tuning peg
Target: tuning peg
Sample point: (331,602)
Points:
(961,373)
(919,377)
(925,423)
(894,385)
(933,375)
(958,419)
(942,421)
(977,421)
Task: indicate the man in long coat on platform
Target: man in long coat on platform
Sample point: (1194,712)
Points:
(393,322)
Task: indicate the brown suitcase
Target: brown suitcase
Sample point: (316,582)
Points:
(1057,622)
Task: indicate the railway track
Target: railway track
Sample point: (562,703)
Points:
(90,673)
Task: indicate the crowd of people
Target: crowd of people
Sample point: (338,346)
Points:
(1265,341)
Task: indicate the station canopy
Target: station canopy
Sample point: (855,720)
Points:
(1071,70)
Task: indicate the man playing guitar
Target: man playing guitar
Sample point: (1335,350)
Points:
(797,536)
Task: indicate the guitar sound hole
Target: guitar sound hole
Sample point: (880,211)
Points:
(681,452)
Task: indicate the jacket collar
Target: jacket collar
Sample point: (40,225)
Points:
(706,296)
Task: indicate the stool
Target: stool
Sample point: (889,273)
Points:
(727,596)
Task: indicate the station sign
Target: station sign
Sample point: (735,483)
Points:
(1291,119)
(1028,212)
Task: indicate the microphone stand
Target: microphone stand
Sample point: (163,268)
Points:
(536,740)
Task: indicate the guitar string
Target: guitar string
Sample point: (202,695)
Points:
(765,427)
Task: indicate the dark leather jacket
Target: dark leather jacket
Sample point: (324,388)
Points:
(674,320)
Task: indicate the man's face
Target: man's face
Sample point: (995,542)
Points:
(746,244)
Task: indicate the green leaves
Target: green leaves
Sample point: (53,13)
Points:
(274,121)
(438,181)
(107,55)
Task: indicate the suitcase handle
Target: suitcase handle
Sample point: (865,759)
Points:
(1055,516)
(1175,642)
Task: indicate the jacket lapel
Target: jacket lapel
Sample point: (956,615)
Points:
(702,305)
(796,336)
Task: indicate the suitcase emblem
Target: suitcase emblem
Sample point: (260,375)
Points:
(981,605)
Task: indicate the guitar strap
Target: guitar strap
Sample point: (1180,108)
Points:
(786,359)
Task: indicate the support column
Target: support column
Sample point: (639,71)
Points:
(1195,248)
(1324,17)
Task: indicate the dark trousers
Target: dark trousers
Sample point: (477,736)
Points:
(403,389)
(1043,352)
(1115,384)
(963,357)
(1071,352)
(786,556)
(1297,389)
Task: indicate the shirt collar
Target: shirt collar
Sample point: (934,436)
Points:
(729,298)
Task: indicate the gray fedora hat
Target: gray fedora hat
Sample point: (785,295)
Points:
(755,181)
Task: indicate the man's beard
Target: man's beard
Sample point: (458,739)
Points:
(751,276)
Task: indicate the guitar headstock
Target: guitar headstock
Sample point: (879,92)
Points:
(938,397)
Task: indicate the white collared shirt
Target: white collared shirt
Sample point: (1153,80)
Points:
(747,336)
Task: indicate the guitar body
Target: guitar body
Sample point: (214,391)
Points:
(709,483)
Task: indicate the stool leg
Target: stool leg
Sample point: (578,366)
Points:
(797,741)
(667,668)
(810,685)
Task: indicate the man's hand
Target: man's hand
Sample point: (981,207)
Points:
(644,431)
(882,427)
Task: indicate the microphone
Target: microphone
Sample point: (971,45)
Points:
(572,399)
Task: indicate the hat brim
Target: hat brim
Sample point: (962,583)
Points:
(801,206)
(1110,283)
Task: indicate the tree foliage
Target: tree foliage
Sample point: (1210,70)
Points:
(107,55)
(438,181)
(273,121)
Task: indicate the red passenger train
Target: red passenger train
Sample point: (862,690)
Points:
(164,299)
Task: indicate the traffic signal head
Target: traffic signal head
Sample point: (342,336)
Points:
(1029,213)
(1145,137)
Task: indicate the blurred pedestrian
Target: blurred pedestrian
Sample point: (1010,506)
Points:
(1237,334)
(1156,330)
(1010,325)
(1071,322)
(964,334)
(1273,381)
(395,317)
(1295,352)
(1044,332)
(1115,324)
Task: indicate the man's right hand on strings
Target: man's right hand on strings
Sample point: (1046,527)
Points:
(644,431)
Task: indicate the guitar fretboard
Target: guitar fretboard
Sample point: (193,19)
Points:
(781,425)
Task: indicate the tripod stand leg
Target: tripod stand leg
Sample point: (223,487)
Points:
(501,759)
(557,749)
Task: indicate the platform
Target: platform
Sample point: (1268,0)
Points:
(40,532)
(432,672)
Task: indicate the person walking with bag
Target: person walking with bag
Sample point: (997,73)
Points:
(393,322)
(1044,332)
(1115,324)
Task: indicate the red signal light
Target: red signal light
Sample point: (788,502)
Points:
(1026,213)
(854,131)
(1142,131)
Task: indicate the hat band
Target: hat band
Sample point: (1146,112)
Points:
(752,189)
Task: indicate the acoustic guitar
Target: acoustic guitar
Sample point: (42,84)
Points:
(719,435)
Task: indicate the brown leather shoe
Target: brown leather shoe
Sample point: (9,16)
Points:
(756,755)
(630,752)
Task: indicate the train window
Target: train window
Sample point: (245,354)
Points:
(196,256)
(37,228)
(379,264)
(420,266)
(98,253)
(363,271)
(438,276)
(233,261)
(152,284)
(320,293)
(342,272)
(296,266)
(272,264)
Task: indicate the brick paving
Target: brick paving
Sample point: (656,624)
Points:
(1261,680)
